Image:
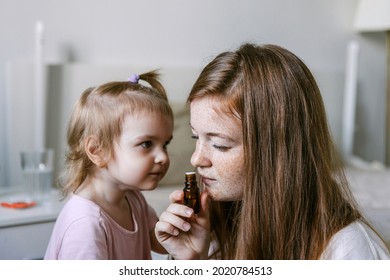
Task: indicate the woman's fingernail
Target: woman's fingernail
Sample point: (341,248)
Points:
(189,212)
(186,226)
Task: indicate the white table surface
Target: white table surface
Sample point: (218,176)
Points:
(47,210)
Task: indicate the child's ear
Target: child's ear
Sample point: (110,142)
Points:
(94,151)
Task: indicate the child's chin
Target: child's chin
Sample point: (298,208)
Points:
(150,187)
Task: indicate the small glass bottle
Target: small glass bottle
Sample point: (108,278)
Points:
(191,192)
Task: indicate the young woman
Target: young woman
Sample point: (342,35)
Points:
(117,146)
(274,187)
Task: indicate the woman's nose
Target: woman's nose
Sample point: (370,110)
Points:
(199,158)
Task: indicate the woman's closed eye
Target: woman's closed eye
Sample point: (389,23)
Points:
(221,148)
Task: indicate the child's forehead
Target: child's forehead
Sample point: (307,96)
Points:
(144,116)
(152,123)
(142,113)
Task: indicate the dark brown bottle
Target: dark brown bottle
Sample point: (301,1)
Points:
(191,192)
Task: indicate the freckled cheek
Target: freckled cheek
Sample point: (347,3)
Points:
(234,174)
(238,182)
(232,168)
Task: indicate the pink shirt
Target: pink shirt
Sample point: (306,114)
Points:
(84,231)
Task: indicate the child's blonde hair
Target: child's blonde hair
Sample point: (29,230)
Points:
(100,112)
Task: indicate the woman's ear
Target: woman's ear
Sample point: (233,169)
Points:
(94,151)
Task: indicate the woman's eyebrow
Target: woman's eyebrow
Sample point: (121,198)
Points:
(219,135)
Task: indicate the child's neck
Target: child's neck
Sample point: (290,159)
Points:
(111,199)
(95,189)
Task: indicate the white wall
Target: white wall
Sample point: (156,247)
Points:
(189,33)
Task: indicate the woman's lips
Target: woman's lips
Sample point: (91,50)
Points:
(207,180)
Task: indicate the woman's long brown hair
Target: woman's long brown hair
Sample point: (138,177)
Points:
(296,196)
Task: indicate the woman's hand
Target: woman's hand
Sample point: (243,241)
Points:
(182,233)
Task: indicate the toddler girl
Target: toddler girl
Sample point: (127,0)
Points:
(117,147)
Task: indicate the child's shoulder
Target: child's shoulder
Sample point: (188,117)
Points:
(78,206)
(79,215)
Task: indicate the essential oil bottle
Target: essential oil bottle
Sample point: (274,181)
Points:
(191,192)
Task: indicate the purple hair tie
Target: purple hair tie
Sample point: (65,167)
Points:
(134,79)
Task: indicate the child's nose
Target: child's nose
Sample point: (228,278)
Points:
(162,157)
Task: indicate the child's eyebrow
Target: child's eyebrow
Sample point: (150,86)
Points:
(149,137)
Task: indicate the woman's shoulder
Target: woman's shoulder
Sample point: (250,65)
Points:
(357,241)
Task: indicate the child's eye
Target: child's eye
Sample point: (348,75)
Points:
(166,145)
(146,144)
(195,137)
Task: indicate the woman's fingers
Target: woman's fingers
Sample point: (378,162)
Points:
(163,227)
(176,215)
(176,196)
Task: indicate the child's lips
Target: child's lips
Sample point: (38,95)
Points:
(157,174)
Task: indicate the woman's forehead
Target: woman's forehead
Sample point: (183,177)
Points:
(207,115)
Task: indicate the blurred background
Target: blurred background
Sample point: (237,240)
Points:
(186,34)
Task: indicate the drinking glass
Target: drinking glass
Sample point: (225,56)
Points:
(37,170)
